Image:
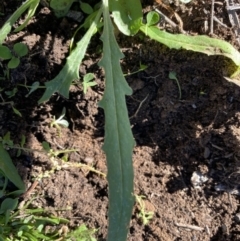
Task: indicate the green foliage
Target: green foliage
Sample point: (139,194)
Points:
(29,224)
(144,215)
(118,143)
(202,44)
(86,8)
(19,50)
(152,18)
(81,234)
(60,121)
(9,170)
(87,82)
(70,71)
(61,7)
(172,75)
(127,15)
(31,5)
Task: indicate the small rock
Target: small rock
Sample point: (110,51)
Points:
(198,179)
(206,153)
(237,217)
(194,106)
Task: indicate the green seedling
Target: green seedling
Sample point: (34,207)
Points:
(143,214)
(142,67)
(60,122)
(6,140)
(19,50)
(173,76)
(87,82)
(32,88)
(22,143)
(17,112)
(6,73)
(11,93)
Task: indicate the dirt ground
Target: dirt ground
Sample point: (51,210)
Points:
(186,158)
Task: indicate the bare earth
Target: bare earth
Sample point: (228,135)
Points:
(177,140)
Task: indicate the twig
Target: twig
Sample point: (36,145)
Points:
(135,114)
(211,20)
(233,17)
(168,20)
(29,191)
(181,225)
(219,22)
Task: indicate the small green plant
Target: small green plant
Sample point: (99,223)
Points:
(173,76)
(11,103)
(11,93)
(60,121)
(144,215)
(19,50)
(6,165)
(81,234)
(87,82)
(141,68)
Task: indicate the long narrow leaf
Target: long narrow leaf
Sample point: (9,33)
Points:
(202,44)
(9,169)
(119,142)
(31,5)
(70,72)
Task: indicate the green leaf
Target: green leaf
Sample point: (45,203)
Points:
(202,44)
(152,18)
(8,204)
(5,52)
(16,111)
(31,5)
(86,8)
(70,72)
(9,169)
(127,15)
(34,87)
(11,93)
(61,7)
(119,142)
(46,146)
(13,63)
(87,82)
(173,76)
(20,49)
(7,140)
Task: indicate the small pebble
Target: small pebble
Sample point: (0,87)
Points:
(206,152)
(237,217)
(89,160)
(198,179)
(194,106)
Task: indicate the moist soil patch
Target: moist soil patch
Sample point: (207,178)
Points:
(186,158)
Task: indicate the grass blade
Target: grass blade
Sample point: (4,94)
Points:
(9,169)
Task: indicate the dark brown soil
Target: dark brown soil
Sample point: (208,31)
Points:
(177,140)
